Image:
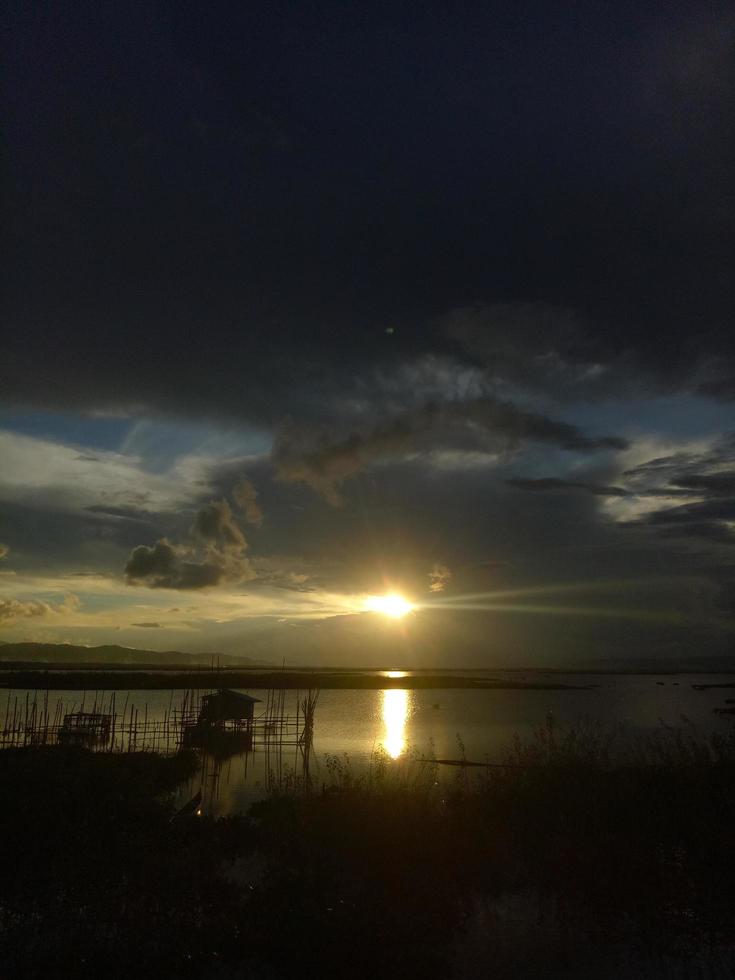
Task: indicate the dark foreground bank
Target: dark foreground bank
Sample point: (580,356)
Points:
(563,864)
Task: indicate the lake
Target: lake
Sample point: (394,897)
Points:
(401,722)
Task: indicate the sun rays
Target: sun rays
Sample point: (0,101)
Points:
(392,605)
(516,601)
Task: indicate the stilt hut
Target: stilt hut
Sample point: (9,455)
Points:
(224,726)
(228,706)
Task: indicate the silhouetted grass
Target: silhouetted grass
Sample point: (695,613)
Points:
(588,854)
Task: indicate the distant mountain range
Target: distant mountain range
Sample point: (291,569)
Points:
(707,664)
(67,654)
(113,655)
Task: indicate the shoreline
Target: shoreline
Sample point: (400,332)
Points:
(104,679)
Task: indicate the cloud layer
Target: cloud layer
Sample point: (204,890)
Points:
(13,610)
(216,533)
(489,424)
(487,314)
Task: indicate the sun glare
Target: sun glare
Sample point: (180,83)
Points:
(392,605)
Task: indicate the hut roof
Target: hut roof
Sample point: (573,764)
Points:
(226,704)
(227,695)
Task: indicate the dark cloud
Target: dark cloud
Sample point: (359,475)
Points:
(488,424)
(667,492)
(722,388)
(717,509)
(540,347)
(708,475)
(246,497)
(712,519)
(410,516)
(549,484)
(78,542)
(216,527)
(717,460)
(692,527)
(148,626)
(717,484)
(544,484)
(216,532)
(146,207)
(163,567)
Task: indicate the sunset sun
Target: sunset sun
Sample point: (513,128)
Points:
(392,605)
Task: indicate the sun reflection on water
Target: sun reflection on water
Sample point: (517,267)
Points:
(395,715)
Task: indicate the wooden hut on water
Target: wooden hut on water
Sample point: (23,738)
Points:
(224,725)
(228,706)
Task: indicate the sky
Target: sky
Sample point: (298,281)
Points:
(305,303)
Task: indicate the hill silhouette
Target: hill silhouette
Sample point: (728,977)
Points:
(112,655)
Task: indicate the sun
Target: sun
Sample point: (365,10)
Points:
(392,605)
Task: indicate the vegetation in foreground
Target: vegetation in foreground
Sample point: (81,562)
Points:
(583,857)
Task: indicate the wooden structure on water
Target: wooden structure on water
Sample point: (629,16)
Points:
(230,722)
(225,706)
(224,725)
(219,725)
(85,728)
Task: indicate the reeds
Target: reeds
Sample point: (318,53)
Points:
(582,852)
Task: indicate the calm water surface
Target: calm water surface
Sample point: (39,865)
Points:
(395,721)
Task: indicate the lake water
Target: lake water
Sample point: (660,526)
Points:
(357,723)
